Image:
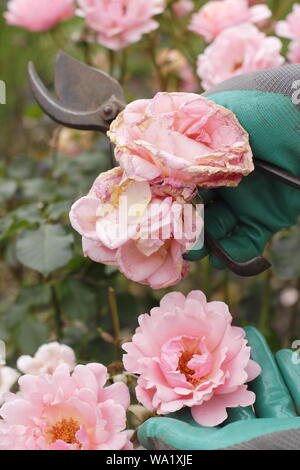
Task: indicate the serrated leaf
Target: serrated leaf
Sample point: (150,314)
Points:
(45,249)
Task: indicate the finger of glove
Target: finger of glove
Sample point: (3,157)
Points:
(164,433)
(219,220)
(289,364)
(240,413)
(273,399)
(245,242)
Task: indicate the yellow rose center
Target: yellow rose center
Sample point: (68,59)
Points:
(64,430)
(183,367)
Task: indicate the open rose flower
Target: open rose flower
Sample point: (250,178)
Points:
(66,412)
(187,353)
(120,23)
(183,136)
(142,229)
(216,16)
(238,50)
(47,358)
(38,15)
(290,27)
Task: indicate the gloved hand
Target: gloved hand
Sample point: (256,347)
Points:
(244,218)
(274,425)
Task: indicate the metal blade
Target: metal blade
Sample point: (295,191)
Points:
(80,102)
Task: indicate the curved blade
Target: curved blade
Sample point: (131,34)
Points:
(81,87)
(249,268)
(76,107)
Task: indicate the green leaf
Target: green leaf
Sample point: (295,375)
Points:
(21,167)
(34,296)
(31,335)
(77,299)
(7,189)
(45,249)
(38,189)
(58,209)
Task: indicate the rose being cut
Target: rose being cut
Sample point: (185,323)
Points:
(142,228)
(183,136)
(120,23)
(38,15)
(187,353)
(66,412)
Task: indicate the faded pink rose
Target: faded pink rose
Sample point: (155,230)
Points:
(182,7)
(216,16)
(187,353)
(238,50)
(66,412)
(38,15)
(47,358)
(142,229)
(183,136)
(294,52)
(120,23)
(290,27)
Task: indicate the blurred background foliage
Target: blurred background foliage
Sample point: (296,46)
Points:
(48,289)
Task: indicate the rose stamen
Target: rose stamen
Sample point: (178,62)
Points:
(64,430)
(183,367)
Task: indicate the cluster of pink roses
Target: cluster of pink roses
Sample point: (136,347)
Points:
(117,23)
(186,353)
(238,46)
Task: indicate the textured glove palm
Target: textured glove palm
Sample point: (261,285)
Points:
(243,219)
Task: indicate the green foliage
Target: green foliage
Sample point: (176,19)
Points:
(45,249)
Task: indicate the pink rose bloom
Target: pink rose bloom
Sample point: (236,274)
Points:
(47,358)
(140,228)
(120,23)
(216,16)
(238,50)
(187,353)
(294,52)
(290,27)
(182,136)
(66,412)
(38,15)
(182,7)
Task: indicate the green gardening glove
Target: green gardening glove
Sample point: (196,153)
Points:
(243,219)
(275,424)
